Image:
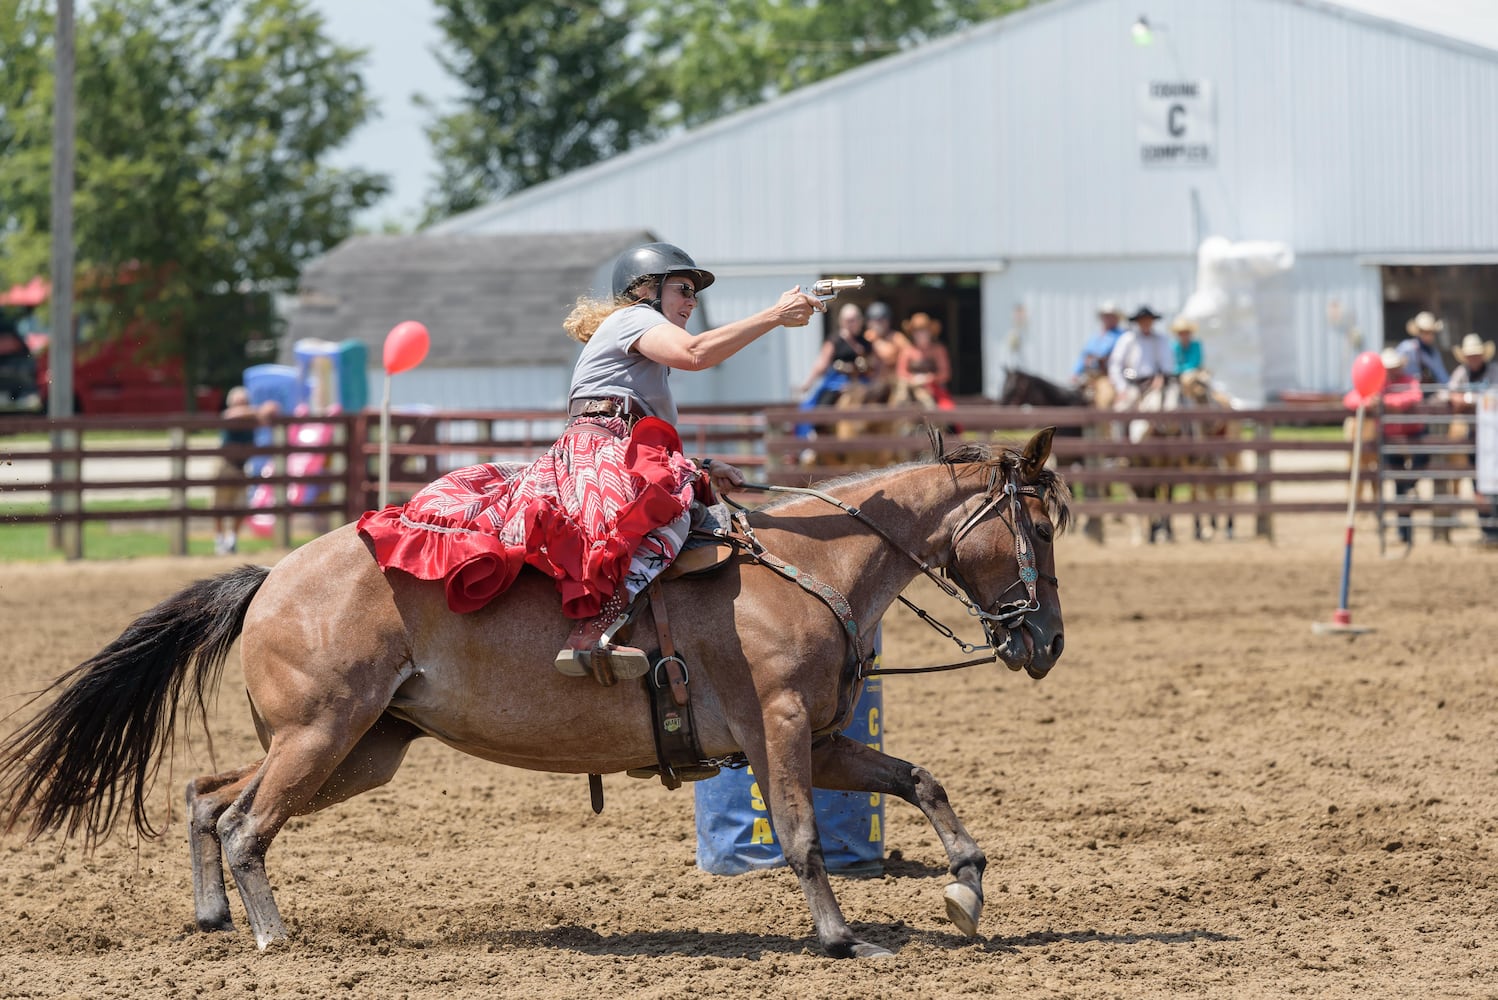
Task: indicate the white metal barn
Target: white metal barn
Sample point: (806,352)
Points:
(1009,178)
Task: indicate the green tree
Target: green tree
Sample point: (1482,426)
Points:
(202,127)
(547,88)
(720,56)
(551,87)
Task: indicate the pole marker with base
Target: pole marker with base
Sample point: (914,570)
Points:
(1368,377)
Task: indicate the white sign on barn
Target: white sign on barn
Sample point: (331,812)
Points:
(1177,124)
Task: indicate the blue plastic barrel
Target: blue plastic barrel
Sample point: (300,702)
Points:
(353,375)
(734,834)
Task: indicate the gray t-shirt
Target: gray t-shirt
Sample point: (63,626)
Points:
(607,366)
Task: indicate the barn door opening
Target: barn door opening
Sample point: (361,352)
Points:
(952,299)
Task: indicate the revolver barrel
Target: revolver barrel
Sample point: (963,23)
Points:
(828,288)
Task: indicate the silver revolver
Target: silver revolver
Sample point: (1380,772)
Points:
(828,288)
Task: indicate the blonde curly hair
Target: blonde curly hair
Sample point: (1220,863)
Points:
(588,313)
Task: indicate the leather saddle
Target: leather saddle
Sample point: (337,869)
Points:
(707,547)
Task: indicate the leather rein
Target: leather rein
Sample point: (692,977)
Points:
(1000,492)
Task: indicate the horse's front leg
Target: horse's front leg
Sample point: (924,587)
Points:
(844,764)
(783,763)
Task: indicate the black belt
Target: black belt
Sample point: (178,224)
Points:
(606,406)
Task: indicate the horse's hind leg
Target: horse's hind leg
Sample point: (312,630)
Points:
(207,798)
(308,767)
(845,764)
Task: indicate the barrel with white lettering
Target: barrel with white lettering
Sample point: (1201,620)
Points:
(734,834)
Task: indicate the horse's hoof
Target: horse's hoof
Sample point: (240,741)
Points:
(964,907)
(865,950)
(216,923)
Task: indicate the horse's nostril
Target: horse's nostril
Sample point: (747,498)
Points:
(1056,646)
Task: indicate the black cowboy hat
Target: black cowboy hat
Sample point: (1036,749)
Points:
(1142,312)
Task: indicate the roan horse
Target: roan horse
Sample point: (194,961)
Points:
(345,666)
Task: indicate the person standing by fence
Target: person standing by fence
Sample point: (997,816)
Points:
(1422,358)
(237,444)
(1475,373)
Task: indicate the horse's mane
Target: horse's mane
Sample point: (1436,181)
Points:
(969,458)
(1004,462)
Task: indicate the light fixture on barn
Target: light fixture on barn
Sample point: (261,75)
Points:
(1141,31)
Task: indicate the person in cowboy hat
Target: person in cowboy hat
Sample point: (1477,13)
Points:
(1422,358)
(1188,350)
(1093,360)
(1474,366)
(924,367)
(1475,372)
(1140,360)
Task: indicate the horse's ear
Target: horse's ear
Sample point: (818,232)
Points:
(1036,452)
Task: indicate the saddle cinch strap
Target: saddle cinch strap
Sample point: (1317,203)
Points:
(678,752)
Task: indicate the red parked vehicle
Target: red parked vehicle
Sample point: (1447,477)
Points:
(124,374)
(121,375)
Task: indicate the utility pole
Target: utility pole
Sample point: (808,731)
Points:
(60,396)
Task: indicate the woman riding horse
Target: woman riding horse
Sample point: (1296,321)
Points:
(344,666)
(608,507)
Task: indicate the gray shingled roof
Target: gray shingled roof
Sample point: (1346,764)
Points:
(486,300)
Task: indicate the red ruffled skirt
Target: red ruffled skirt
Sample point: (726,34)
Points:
(577,514)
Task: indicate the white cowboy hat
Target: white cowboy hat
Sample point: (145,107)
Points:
(1391,358)
(1180,324)
(1109,308)
(1473,344)
(1424,322)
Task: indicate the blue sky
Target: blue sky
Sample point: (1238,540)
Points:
(400,36)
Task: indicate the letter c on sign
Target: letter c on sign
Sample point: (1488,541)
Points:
(873,722)
(1174,121)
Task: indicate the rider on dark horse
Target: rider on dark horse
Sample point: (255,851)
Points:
(608,506)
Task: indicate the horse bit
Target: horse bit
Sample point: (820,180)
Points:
(1010,615)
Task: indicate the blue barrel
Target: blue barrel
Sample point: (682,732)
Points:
(734,834)
(353,375)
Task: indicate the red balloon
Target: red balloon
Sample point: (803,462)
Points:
(406,346)
(1368,374)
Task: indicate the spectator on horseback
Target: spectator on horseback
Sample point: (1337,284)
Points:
(1141,361)
(1401,394)
(1188,350)
(924,367)
(886,341)
(607,508)
(845,357)
(1475,373)
(1422,358)
(1093,361)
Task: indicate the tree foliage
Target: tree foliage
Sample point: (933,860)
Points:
(202,127)
(721,56)
(546,88)
(549,87)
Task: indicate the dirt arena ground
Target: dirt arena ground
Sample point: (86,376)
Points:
(1203,799)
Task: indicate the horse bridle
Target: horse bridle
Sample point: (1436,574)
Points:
(1011,615)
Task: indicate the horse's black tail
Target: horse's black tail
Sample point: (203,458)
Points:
(101,742)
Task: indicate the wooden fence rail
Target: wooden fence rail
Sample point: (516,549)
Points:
(165,464)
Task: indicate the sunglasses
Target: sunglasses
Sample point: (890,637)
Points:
(684,289)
